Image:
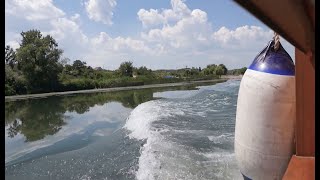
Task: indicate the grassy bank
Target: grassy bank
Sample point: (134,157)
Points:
(73,84)
(19,97)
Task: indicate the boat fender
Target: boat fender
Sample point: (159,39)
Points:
(265,118)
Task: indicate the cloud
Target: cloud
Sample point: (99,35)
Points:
(100,10)
(150,18)
(181,29)
(14,44)
(70,37)
(112,51)
(33,10)
(67,28)
(172,37)
(105,42)
(76,18)
(242,37)
(154,17)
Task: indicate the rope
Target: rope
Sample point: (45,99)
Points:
(276,39)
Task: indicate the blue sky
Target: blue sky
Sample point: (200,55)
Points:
(154,33)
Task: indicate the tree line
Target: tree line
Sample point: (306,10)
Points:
(37,66)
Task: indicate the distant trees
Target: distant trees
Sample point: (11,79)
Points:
(205,71)
(224,69)
(194,71)
(243,70)
(240,71)
(213,69)
(15,82)
(219,71)
(79,67)
(126,69)
(143,71)
(10,56)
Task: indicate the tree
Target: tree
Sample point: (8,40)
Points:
(143,71)
(211,69)
(243,70)
(186,73)
(206,71)
(77,64)
(126,69)
(79,67)
(10,56)
(38,58)
(64,61)
(211,66)
(14,81)
(194,71)
(219,71)
(225,70)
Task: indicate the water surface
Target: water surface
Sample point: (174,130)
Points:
(161,133)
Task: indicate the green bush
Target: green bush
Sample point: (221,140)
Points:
(8,90)
(78,84)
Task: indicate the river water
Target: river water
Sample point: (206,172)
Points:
(162,133)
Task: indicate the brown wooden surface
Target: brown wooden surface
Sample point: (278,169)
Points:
(290,18)
(305,104)
(300,168)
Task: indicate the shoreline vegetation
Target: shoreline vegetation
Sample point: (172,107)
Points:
(42,95)
(37,68)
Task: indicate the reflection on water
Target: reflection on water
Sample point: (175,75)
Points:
(36,118)
(38,127)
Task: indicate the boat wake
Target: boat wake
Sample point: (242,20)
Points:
(187,138)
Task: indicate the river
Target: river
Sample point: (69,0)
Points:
(182,132)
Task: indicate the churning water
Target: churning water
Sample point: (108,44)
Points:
(185,134)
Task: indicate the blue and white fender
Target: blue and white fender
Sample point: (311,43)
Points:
(265,119)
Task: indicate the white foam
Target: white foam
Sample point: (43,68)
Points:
(140,119)
(139,123)
(176,94)
(221,138)
(154,150)
(148,163)
(162,158)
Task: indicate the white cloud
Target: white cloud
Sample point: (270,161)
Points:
(171,38)
(100,10)
(154,17)
(76,18)
(33,10)
(14,40)
(105,42)
(14,44)
(242,37)
(150,18)
(112,51)
(182,29)
(67,28)
(70,37)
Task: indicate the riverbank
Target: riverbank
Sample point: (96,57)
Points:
(28,96)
